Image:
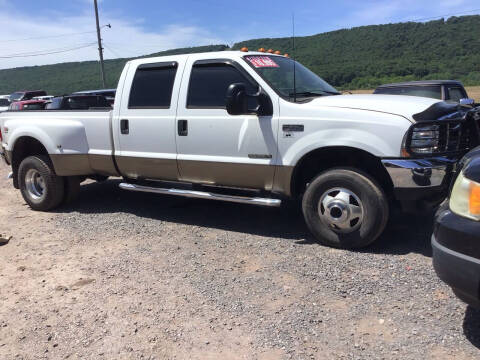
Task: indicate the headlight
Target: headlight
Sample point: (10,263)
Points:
(424,139)
(465,198)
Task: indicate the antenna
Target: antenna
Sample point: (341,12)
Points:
(294,62)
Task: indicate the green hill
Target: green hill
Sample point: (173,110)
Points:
(361,57)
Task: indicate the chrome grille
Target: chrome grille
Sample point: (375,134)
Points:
(454,135)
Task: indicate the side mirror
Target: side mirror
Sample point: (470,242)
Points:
(467,102)
(237,101)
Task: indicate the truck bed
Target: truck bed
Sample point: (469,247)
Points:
(78,142)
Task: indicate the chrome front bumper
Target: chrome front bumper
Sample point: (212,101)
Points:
(417,180)
(415,173)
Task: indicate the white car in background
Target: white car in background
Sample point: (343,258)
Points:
(45,97)
(4,102)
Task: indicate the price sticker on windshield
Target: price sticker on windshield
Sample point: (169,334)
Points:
(262,62)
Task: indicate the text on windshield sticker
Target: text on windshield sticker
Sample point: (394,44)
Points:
(262,62)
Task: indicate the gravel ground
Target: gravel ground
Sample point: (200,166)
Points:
(122,275)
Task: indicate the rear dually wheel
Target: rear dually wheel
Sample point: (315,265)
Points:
(41,188)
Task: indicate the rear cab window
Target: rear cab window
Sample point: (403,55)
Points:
(31,94)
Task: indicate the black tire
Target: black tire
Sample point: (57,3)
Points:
(53,188)
(72,189)
(361,190)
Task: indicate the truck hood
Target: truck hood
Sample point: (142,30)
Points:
(406,106)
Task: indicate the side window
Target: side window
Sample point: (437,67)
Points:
(455,94)
(209,83)
(152,86)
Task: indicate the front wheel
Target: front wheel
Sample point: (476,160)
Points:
(345,208)
(41,188)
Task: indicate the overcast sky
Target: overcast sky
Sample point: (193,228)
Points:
(146,26)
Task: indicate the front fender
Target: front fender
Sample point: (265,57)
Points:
(376,144)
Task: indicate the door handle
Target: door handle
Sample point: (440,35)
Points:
(124,127)
(182,127)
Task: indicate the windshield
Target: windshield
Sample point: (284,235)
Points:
(16,96)
(278,72)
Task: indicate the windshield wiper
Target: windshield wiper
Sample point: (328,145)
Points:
(314,93)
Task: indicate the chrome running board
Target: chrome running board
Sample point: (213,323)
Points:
(203,195)
(10,175)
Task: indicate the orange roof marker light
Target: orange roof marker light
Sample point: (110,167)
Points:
(270,51)
(261,50)
(286,55)
(244,49)
(278,52)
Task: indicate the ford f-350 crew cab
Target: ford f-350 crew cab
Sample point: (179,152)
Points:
(236,126)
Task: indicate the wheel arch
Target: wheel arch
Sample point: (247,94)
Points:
(321,159)
(24,147)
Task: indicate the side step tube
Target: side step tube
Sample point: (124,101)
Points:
(203,195)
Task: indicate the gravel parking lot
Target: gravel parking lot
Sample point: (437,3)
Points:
(123,275)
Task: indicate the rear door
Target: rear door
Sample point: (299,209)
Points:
(145,124)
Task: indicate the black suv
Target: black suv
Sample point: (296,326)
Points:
(108,93)
(77,102)
(456,238)
(448,90)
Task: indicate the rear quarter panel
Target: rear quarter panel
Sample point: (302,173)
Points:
(64,133)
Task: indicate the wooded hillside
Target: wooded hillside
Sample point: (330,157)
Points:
(361,57)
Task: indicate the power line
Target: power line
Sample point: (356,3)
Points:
(45,52)
(115,53)
(50,36)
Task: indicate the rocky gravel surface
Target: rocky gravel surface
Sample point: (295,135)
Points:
(121,275)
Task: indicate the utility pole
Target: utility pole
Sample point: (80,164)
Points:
(100,48)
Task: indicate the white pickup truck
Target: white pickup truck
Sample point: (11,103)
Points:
(248,127)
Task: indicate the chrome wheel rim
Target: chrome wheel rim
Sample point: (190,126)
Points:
(35,184)
(341,210)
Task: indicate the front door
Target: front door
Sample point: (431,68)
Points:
(217,148)
(145,130)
